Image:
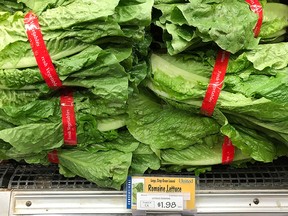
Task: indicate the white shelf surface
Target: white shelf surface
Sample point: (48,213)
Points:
(91,202)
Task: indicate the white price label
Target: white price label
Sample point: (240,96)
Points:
(160,202)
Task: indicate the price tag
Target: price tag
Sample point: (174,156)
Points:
(160,202)
(161,193)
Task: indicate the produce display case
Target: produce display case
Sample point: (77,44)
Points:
(258,189)
(252,189)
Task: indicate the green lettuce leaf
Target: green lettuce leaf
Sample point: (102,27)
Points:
(29,138)
(275,21)
(188,25)
(151,123)
(183,24)
(144,159)
(108,169)
(11,6)
(124,143)
(198,155)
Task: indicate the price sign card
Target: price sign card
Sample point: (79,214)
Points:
(160,193)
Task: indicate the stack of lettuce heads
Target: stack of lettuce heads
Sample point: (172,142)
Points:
(133,116)
(98,49)
(253,104)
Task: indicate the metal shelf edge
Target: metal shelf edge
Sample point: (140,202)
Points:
(32,202)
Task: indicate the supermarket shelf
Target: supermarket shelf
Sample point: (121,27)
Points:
(255,176)
(38,190)
(6,170)
(41,177)
(31,202)
(5,196)
(65,202)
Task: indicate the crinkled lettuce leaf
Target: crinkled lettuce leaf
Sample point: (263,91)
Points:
(181,138)
(275,21)
(189,24)
(151,123)
(144,159)
(184,23)
(108,169)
